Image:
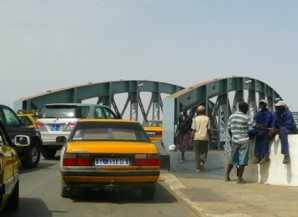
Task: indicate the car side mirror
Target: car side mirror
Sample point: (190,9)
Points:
(21,141)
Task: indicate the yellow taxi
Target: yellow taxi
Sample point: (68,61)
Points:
(108,154)
(28,118)
(9,168)
(153,129)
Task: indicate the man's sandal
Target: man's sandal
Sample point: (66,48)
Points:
(242,181)
(227,179)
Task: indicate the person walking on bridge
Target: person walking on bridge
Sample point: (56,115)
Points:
(264,118)
(283,124)
(238,125)
(201,134)
(183,132)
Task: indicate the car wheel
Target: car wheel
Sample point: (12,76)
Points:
(32,155)
(13,203)
(148,192)
(47,152)
(66,192)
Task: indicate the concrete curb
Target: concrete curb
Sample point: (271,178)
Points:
(174,184)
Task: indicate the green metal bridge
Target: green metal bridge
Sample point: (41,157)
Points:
(220,97)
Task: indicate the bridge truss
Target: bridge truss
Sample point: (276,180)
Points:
(220,96)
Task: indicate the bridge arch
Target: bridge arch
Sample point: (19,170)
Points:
(214,96)
(104,93)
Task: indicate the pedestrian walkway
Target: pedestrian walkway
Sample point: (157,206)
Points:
(209,195)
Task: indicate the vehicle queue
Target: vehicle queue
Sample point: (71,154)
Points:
(99,152)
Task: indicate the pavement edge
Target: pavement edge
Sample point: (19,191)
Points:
(175,185)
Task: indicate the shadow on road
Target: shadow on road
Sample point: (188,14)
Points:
(162,195)
(40,166)
(29,207)
(43,164)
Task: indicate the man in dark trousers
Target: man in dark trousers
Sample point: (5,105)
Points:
(264,118)
(201,134)
(283,124)
(183,132)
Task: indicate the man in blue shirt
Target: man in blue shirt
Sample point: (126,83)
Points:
(264,118)
(283,124)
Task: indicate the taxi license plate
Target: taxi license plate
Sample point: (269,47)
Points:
(55,127)
(112,161)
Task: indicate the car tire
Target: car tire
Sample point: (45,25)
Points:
(31,155)
(66,193)
(148,192)
(13,203)
(47,152)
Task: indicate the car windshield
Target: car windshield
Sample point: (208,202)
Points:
(64,111)
(26,120)
(108,131)
(153,124)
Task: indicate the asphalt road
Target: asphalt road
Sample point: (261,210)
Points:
(40,197)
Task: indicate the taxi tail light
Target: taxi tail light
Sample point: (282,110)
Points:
(153,159)
(69,159)
(39,125)
(76,160)
(147,160)
(70,125)
(83,160)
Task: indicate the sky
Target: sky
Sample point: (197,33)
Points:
(53,44)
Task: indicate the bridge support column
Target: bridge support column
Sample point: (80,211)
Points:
(168,125)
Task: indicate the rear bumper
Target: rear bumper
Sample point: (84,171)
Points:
(49,138)
(103,179)
(108,186)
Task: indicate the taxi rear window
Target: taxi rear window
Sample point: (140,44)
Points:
(108,131)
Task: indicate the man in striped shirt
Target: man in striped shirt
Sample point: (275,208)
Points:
(238,126)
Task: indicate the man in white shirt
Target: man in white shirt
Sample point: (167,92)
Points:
(200,135)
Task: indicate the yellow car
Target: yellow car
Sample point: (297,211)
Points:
(153,129)
(9,168)
(108,154)
(28,118)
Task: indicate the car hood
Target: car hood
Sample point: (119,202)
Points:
(111,147)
